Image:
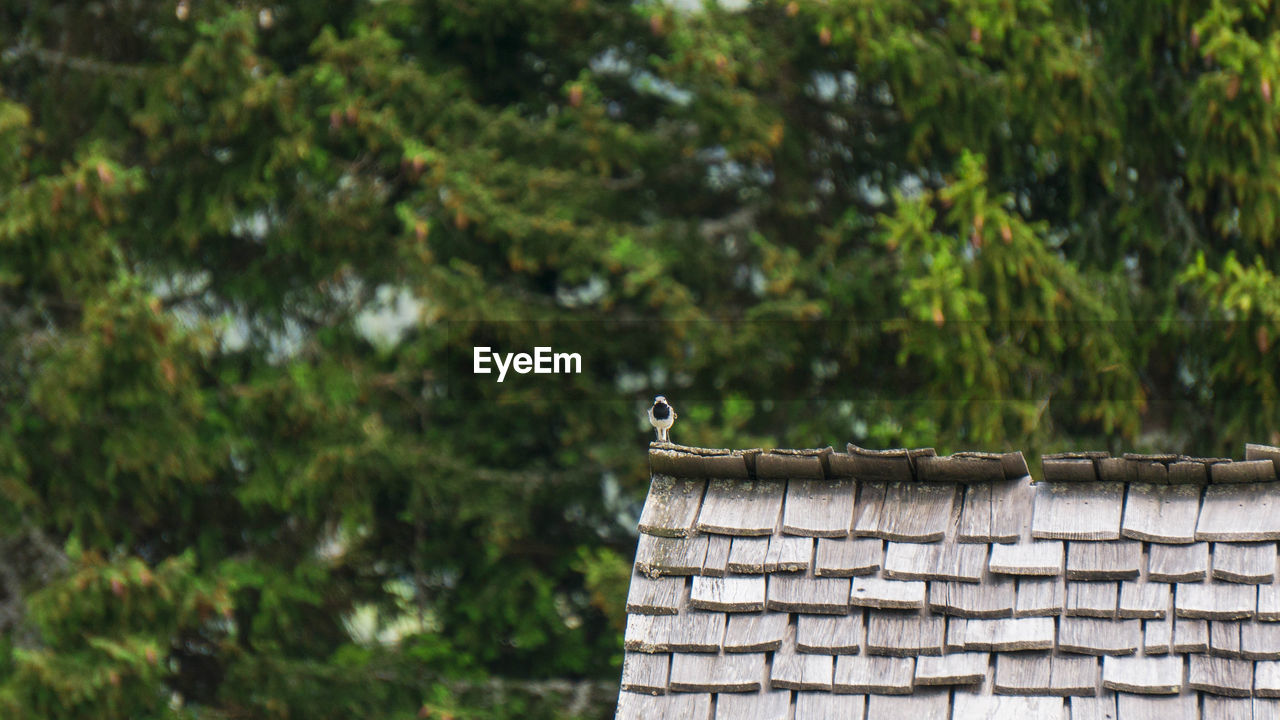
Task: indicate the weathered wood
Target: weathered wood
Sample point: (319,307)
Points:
(874,465)
(1224,708)
(747,555)
(1240,513)
(1003,635)
(818,508)
(686,706)
(1190,636)
(1260,641)
(1188,472)
(691,631)
(1093,636)
(1145,600)
(805,593)
(768,705)
(827,706)
(830,634)
(788,554)
(971,706)
(1045,674)
(1150,675)
(910,512)
(1157,636)
(691,462)
(923,703)
(670,556)
(655,596)
(935,561)
(875,592)
(1041,557)
(1244,562)
(1092,599)
(1077,511)
(1220,675)
(741,507)
(1161,513)
(848,557)
(1243,471)
(800,671)
(707,672)
(963,562)
(962,668)
(1266,679)
(733,593)
(991,599)
(646,673)
(791,464)
(1269,602)
(1116,560)
(755,632)
(891,632)
(869,506)
(1215,600)
(1254,451)
(994,512)
(1157,707)
(874,674)
(1178,563)
(716,562)
(1039,597)
(960,468)
(1101,707)
(672,506)
(1068,469)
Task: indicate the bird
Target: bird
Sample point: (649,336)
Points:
(662,416)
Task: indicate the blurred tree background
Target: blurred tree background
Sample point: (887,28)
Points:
(246,249)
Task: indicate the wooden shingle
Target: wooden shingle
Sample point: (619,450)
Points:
(971,706)
(1240,513)
(1243,471)
(1093,636)
(1228,708)
(1157,707)
(1266,679)
(707,672)
(716,562)
(1157,636)
(818,508)
(1038,597)
(767,705)
(830,634)
(1003,635)
(874,674)
(1260,641)
(935,561)
(1099,707)
(1145,600)
(672,506)
(1190,636)
(640,706)
(1244,562)
(892,632)
(923,703)
(875,592)
(825,706)
(1077,511)
(808,594)
(1092,599)
(1215,600)
(794,670)
(747,555)
(741,507)
(692,631)
(1224,638)
(994,512)
(1116,560)
(1269,602)
(1045,674)
(733,593)
(788,553)
(1178,563)
(848,557)
(991,599)
(1041,557)
(755,632)
(963,668)
(1161,513)
(655,596)
(670,556)
(645,672)
(1220,675)
(1150,675)
(907,511)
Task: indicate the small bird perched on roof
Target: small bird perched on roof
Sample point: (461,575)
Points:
(662,416)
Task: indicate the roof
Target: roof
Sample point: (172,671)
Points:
(791,585)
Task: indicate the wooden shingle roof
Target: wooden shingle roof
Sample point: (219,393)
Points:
(793,585)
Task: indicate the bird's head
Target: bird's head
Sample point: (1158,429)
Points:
(660,400)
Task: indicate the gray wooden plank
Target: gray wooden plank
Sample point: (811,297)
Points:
(691,631)
(962,668)
(961,562)
(1224,638)
(1073,675)
(847,557)
(670,556)
(875,592)
(1266,679)
(1045,674)
(1269,602)
(818,508)
(830,634)
(707,672)
(1243,471)
(1100,707)
(1039,597)
(1161,513)
(868,507)
(1077,511)
(1116,560)
(994,598)
(716,562)
(1260,641)
(1178,563)
(732,593)
(655,596)
(645,672)
(1244,562)
(911,561)
(1225,708)
(805,593)
(767,705)
(1059,469)
(672,506)
(893,632)
(972,706)
(1215,600)
(826,706)
(1145,600)
(916,512)
(923,703)
(747,555)
(1002,635)
(788,553)
(994,512)
(1157,707)
(755,632)
(1157,636)
(679,706)
(741,507)
(1220,675)
(1150,675)
(794,670)
(874,674)
(1094,636)
(1092,599)
(1041,557)
(1190,636)
(1240,513)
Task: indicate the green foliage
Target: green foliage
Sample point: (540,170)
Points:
(246,249)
